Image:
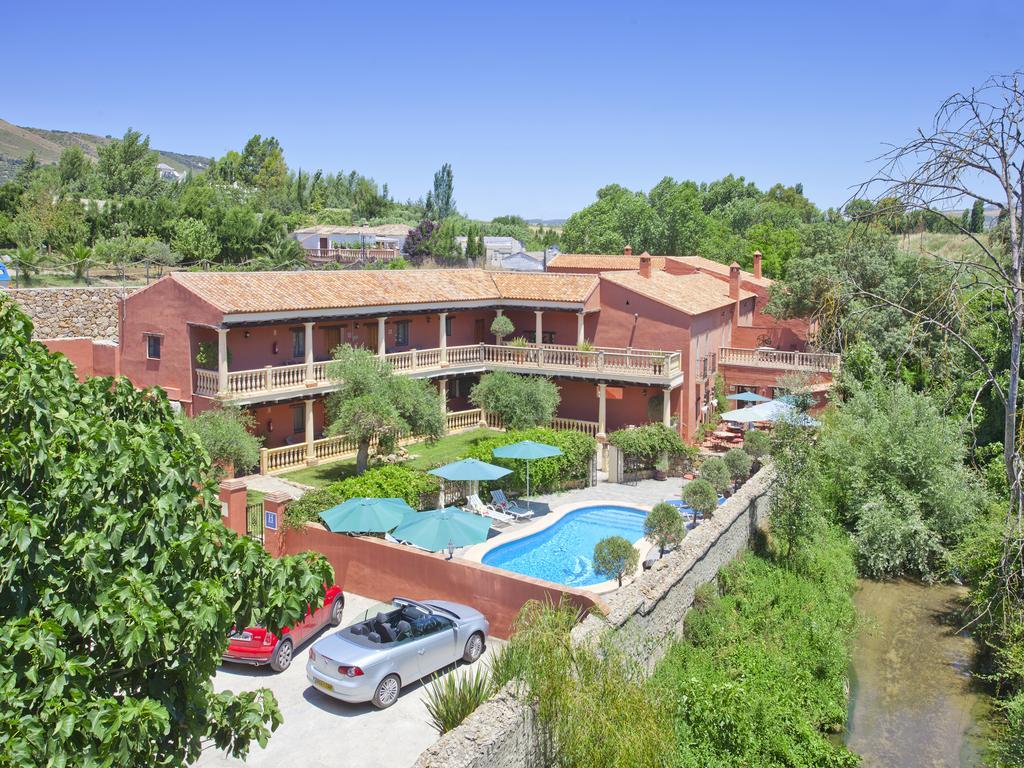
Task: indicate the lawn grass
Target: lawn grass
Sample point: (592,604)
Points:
(253,497)
(424,456)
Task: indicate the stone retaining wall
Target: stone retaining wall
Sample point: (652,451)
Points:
(60,313)
(643,617)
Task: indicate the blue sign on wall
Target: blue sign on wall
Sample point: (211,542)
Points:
(270,520)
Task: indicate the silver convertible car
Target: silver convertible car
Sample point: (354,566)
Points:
(398,644)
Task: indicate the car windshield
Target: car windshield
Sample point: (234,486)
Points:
(372,612)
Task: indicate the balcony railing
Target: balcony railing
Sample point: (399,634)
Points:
(288,457)
(550,358)
(318,257)
(771,358)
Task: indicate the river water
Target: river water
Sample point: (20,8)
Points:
(913,700)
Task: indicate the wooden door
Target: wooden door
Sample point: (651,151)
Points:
(371,337)
(479,331)
(325,243)
(332,339)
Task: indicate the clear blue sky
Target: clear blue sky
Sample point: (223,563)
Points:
(535,105)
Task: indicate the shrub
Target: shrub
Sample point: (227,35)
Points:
(650,442)
(224,433)
(502,327)
(890,542)
(701,496)
(664,526)
(738,462)
(520,401)
(554,473)
(757,443)
(716,472)
(393,481)
(519,341)
(452,698)
(614,557)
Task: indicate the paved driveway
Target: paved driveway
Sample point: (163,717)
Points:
(319,731)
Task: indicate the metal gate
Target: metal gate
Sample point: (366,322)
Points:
(631,468)
(254,521)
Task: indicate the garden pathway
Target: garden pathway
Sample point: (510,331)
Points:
(270,483)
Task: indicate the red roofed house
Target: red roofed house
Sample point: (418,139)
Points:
(262,341)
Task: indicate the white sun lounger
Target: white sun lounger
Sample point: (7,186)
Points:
(476,505)
(508,506)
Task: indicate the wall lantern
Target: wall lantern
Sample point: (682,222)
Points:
(247,334)
(273,348)
(451,549)
(270,425)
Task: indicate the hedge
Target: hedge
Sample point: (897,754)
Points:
(394,481)
(555,473)
(650,442)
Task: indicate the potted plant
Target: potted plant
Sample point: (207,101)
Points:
(661,468)
(519,343)
(502,327)
(585,359)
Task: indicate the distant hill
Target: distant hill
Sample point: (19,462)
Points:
(17,143)
(546,222)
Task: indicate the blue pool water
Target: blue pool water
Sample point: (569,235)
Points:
(563,552)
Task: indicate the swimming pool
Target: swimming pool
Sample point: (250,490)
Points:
(563,552)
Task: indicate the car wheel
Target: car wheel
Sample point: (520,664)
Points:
(336,608)
(387,692)
(474,647)
(282,658)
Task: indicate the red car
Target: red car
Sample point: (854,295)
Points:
(256,645)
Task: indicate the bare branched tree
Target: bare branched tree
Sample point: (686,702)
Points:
(974,150)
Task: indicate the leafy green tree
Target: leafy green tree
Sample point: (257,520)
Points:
(262,164)
(520,402)
(28,262)
(193,240)
(664,526)
(440,204)
(226,434)
(372,404)
(977,221)
(127,166)
(716,472)
(738,462)
(614,557)
(650,442)
(73,169)
(119,583)
(502,327)
(701,496)
(794,514)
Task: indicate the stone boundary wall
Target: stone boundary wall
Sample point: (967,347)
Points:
(61,313)
(643,618)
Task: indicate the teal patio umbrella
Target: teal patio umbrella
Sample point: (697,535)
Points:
(472,470)
(748,397)
(365,515)
(436,529)
(527,450)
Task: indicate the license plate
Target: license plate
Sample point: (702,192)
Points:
(321,684)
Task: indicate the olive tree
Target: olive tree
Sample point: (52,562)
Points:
(118,582)
(664,526)
(225,434)
(372,404)
(521,402)
(738,462)
(614,557)
(757,443)
(502,327)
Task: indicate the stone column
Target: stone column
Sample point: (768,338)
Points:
(310,434)
(442,386)
(540,327)
(222,361)
(382,347)
(310,380)
(442,322)
(232,504)
(580,336)
(666,406)
(601,411)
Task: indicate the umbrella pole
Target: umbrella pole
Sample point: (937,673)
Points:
(528,505)
(440,496)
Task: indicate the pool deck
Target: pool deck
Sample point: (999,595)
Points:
(552,507)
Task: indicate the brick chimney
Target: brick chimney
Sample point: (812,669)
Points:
(628,250)
(645,265)
(734,280)
(757,264)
